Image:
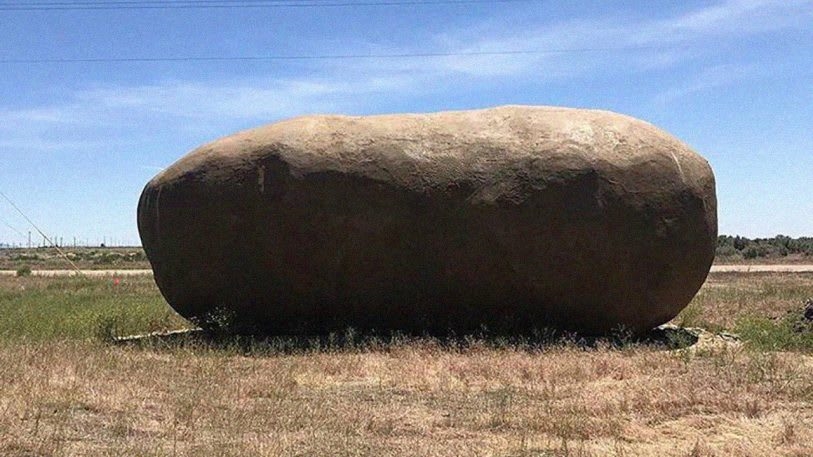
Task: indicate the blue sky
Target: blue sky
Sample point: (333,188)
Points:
(78,140)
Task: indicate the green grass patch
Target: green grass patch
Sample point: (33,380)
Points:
(692,316)
(727,300)
(23,271)
(786,334)
(763,309)
(76,307)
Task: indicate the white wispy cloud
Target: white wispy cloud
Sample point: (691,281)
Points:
(48,114)
(28,142)
(189,105)
(709,78)
(741,16)
(588,44)
(270,98)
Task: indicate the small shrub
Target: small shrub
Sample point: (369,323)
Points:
(105,259)
(219,321)
(752,252)
(136,256)
(23,271)
(107,329)
(25,257)
(728,252)
(622,337)
(680,339)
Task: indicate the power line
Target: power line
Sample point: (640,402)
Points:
(44,236)
(132,2)
(12,228)
(141,5)
(322,56)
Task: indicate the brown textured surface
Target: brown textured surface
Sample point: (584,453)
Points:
(512,217)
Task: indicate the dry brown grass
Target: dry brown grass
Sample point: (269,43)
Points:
(69,396)
(414,398)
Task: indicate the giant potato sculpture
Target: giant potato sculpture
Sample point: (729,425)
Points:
(510,218)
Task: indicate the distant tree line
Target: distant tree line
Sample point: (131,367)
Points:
(778,246)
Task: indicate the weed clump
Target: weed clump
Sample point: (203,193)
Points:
(782,334)
(24,271)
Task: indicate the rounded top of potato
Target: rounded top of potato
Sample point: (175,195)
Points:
(421,151)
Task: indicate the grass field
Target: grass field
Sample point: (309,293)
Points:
(121,258)
(66,390)
(86,258)
(791,259)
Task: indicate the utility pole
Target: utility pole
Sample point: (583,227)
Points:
(29,239)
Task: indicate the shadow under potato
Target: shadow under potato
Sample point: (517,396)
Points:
(663,337)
